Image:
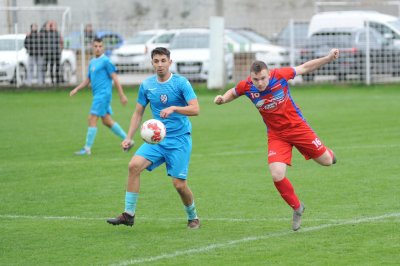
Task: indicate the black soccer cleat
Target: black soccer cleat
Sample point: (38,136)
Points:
(124,218)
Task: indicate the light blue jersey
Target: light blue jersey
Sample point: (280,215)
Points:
(176,148)
(176,91)
(100,70)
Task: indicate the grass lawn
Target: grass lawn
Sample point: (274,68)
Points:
(53,204)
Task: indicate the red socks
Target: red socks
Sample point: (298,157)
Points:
(286,190)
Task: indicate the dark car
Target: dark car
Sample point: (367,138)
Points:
(384,58)
(111,41)
(292,37)
(299,29)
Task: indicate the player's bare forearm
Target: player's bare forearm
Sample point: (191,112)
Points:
(123,98)
(135,121)
(314,64)
(229,96)
(192,109)
(80,86)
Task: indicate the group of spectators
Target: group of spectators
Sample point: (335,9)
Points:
(44,47)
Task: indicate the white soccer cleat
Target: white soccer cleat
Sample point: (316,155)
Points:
(297,217)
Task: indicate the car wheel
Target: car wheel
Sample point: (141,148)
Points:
(66,69)
(22,75)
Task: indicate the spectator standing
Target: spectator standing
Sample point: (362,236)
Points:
(53,45)
(88,34)
(34,48)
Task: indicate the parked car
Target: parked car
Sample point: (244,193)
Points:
(300,31)
(387,25)
(284,38)
(134,54)
(384,57)
(13,55)
(246,40)
(190,54)
(111,40)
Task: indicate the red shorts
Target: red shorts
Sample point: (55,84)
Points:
(280,144)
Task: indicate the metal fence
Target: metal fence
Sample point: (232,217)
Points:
(55,57)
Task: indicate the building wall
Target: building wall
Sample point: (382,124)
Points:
(129,16)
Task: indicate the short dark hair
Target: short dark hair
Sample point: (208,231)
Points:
(258,66)
(97,39)
(160,51)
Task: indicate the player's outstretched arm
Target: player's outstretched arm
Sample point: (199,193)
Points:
(122,97)
(229,96)
(134,125)
(79,87)
(314,64)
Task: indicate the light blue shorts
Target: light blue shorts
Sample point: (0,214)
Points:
(174,152)
(101,107)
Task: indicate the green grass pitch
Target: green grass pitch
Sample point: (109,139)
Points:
(53,205)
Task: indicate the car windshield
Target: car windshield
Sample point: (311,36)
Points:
(140,38)
(254,37)
(10,45)
(332,39)
(238,37)
(187,41)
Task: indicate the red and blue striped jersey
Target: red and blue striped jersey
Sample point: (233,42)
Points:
(275,104)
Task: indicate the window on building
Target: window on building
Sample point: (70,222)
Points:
(45,2)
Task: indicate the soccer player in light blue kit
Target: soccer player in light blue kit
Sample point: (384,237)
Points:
(172,100)
(101,75)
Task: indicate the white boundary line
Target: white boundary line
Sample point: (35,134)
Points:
(218,219)
(252,238)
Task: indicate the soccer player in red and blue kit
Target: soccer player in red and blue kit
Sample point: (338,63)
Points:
(286,126)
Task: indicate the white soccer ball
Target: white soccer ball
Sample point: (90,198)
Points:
(153,131)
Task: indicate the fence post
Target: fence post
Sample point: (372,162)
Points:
(367,57)
(216,71)
(17,77)
(83,52)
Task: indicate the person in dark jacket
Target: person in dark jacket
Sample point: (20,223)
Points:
(53,45)
(34,48)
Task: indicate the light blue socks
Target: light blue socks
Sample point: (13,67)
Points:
(130,202)
(191,211)
(90,136)
(117,130)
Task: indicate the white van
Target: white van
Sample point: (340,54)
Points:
(388,26)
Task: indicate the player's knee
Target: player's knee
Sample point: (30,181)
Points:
(180,185)
(134,167)
(277,175)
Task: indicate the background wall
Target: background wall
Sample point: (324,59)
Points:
(129,16)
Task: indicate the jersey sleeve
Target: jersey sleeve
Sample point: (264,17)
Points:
(110,68)
(287,72)
(89,72)
(142,99)
(241,88)
(187,90)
